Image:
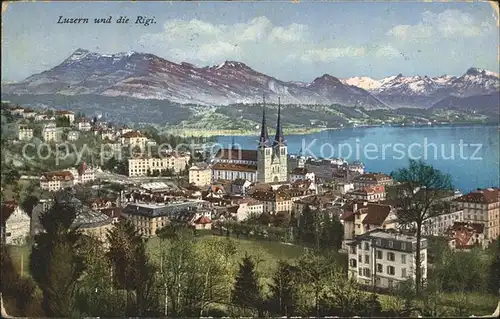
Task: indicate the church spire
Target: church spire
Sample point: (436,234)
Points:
(279,138)
(264,136)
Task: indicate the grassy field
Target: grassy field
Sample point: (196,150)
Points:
(267,253)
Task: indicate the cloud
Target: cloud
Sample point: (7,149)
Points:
(387,51)
(204,42)
(331,54)
(449,24)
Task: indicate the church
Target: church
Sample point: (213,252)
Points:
(268,164)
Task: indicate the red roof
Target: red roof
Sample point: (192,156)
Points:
(482,196)
(234,167)
(236,154)
(132,134)
(376,214)
(61,175)
(203,220)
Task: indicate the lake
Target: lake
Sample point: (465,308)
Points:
(470,154)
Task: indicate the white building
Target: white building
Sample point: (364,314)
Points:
(370,194)
(50,133)
(343,187)
(140,166)
(54,181)
(438,225)
(200,174)
(384,259)
(240,186)
(24,133)
(84,125)
(300,174)
(234,171)
(15,224)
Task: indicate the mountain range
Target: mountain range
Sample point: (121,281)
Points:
(147,76)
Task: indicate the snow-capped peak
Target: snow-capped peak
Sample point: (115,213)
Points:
(478,71)
(363,82)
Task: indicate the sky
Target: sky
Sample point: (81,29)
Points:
(290,41)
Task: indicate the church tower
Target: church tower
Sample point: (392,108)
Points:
(264,149)
(279,162)
(272,157)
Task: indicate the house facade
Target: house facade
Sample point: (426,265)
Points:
(482,206)
(385,259)
(200,174)
(15,224)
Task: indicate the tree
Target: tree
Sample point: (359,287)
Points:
(247,291)
(55,264)
(493,273)
(332,232)
(28,203)
(95,294)
(419,198)
(283,297)
(131,267)
(307,228)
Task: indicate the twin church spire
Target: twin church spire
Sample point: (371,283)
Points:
(279,139)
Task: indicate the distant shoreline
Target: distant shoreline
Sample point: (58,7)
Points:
(306,131)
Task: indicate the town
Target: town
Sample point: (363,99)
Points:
(263,232)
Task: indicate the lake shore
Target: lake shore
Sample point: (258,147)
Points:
(306,131)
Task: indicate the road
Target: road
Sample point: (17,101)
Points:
(122,179)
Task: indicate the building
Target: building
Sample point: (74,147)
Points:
(383,259)
(365,216)
(240,186)
(84,174)
(202,222)
(301,173)
(482,206)
(54,181)
(29,114)
(272,156)
(17,111)
(371,194)
(268,164)
(372,179)
(343,187)
(234,171)
(15,224)
(200,174)
(438,225)
(148,218)
(84,125)
(465,236)
(273,201)
(67,114)
(24,133)
(50,133)
(133,138)
(142,166)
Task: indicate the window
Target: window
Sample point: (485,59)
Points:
(367,259)
(353,250)
(367,246)
(379,254)
(403,246)
(403,259)
(390,256)
(391,244)
(360,258)
(378,242)
(352,263)
(360,271)
(403,272)
(380,269)
(390,270)
(366,272)
(359,245)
